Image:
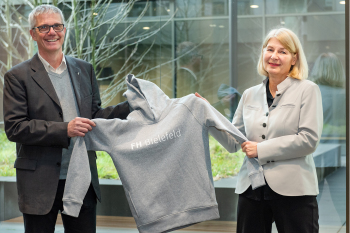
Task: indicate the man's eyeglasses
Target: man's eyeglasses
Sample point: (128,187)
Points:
(46,28)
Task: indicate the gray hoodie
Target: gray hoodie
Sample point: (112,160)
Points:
(161,152)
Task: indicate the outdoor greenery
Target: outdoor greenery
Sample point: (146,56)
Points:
(105,166)
(7,155)
(337,131)
(224,164)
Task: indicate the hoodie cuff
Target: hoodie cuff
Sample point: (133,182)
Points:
(71,208)
(257,178)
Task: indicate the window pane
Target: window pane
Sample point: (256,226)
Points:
(285,6)
(250,7)
(198,8)
(328,5)
(184,47)
(202,52)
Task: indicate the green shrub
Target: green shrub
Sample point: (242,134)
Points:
(334,131)
(224,164)
(7,155)
(105,166)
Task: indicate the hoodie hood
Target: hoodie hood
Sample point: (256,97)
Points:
(146,97)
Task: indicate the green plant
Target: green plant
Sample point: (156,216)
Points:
(7,155)
(224,164)
(335,131)
(105,166)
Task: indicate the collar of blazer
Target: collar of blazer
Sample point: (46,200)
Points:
(41,77)
(283,86)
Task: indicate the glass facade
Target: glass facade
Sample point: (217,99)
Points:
(184,47)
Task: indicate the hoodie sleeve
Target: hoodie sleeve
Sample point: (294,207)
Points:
(78,179)
(78,176)
(219,127)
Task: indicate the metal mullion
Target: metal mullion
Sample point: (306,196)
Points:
(347,60)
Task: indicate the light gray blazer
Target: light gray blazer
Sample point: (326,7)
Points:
(285,144)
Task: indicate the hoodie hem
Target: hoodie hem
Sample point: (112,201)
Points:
(181,220)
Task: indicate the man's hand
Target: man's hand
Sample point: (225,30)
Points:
(199,96)
(250,149)
(79,126)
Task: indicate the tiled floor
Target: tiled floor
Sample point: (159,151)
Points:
(331,202)
(126,224)
(18,228)
(11,227)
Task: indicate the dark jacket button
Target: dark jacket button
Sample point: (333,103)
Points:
(273,106)
(268,162)
(267,114)
(263,136)
(264,125)
(58,164)
(278,95)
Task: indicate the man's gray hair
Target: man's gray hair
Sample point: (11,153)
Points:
(43,9)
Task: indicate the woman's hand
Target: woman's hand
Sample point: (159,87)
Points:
(250,149)
(199,96)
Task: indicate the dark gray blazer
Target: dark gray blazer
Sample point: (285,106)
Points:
(34,120)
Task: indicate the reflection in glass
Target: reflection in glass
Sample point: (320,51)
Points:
(253,7)
(189,63)
(249,35)
(201,8)
(329,74)
(322,5)
(154,8)
(202,44)
(188,8)
(283,7)
(294,23)
(228,100)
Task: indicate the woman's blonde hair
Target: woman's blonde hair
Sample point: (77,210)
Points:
(328,71)
(292,43)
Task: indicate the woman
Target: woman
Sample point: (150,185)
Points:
(282,119)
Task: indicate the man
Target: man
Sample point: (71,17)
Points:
(48,100)
(189,64)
